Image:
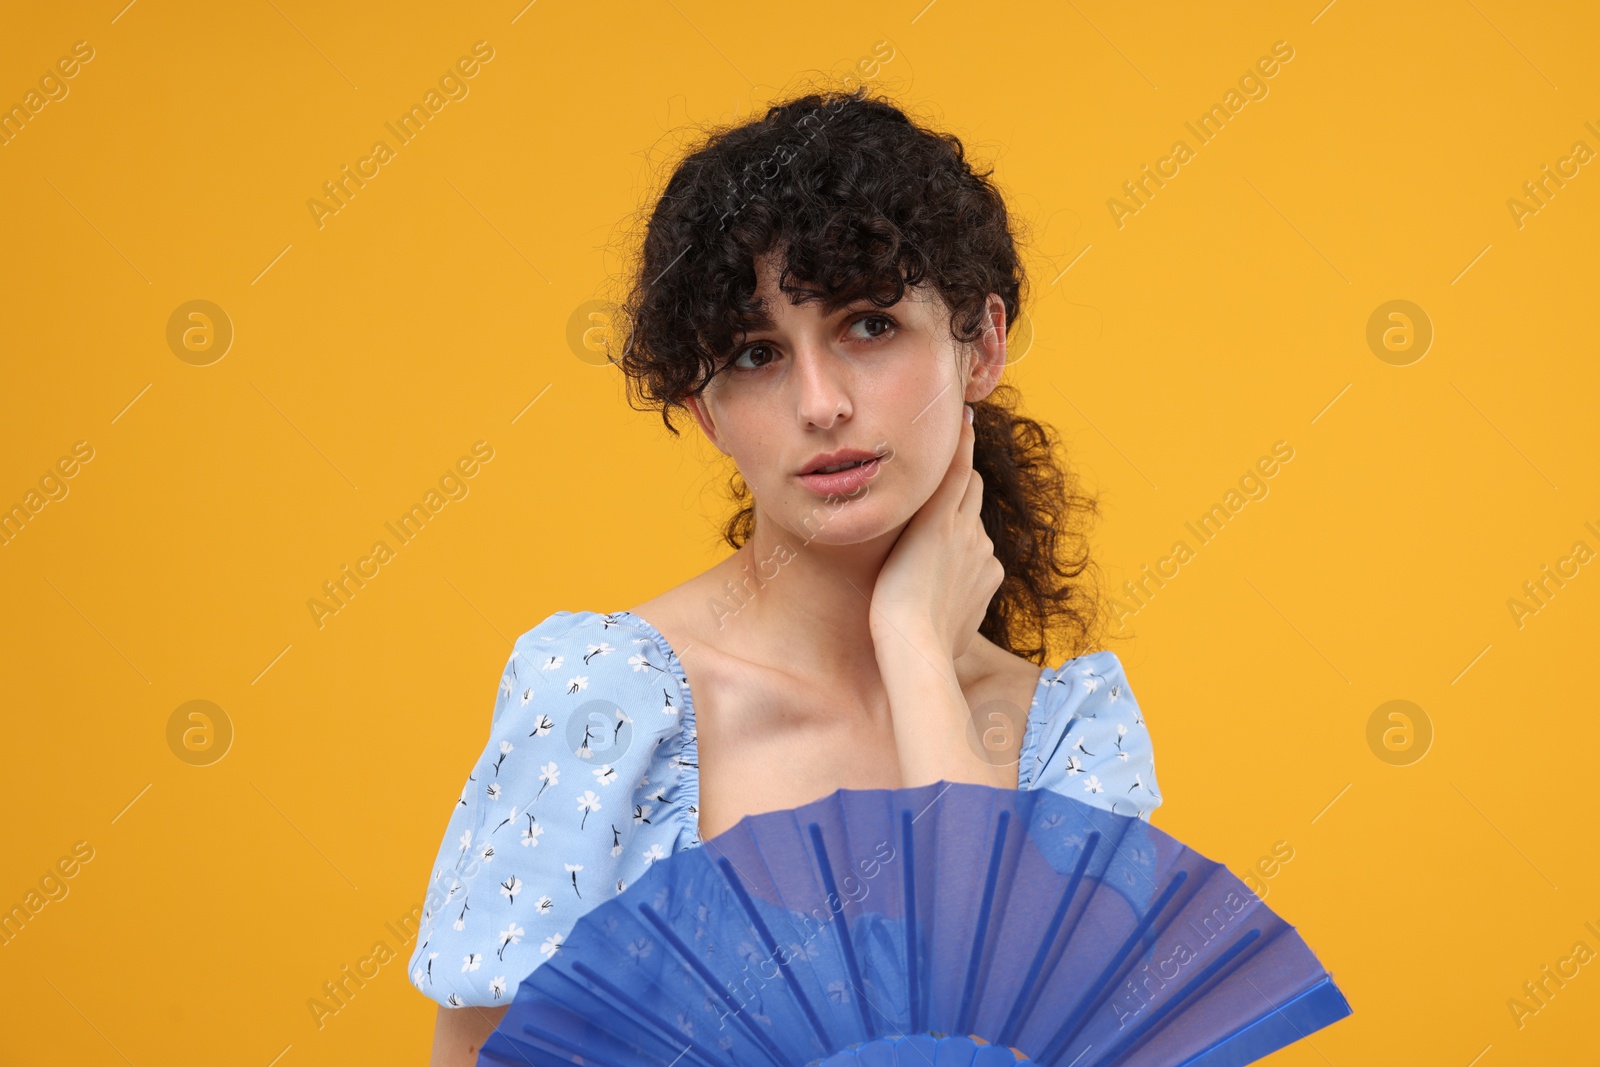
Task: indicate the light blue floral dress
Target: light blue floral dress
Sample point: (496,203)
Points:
(591,774)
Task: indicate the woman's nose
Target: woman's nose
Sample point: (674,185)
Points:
(823,387)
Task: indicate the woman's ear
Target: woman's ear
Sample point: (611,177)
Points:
(988,352)
(697,408)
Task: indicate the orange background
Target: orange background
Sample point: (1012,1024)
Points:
(433,311)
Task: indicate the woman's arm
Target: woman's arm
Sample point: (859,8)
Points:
(459,1033)
(928,603)
(932,722)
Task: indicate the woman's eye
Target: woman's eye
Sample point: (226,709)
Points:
(743,352)
(888,324)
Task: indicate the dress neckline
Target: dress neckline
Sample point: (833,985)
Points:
(686,722)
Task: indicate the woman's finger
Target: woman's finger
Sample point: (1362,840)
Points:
(953,487)
(972,499)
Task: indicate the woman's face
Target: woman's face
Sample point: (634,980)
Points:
(888,381)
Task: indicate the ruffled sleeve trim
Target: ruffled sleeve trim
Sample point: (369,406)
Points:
(1089,740)
(681,757)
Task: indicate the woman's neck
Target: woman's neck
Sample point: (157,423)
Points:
(807,606)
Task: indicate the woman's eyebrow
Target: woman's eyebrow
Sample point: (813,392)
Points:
(761,322)
(757,323)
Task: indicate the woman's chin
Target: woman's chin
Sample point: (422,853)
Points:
(843,521)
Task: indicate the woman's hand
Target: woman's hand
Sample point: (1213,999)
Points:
(942,572)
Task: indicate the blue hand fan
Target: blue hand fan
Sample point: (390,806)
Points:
(951,924)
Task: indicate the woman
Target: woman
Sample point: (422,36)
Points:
(830,285)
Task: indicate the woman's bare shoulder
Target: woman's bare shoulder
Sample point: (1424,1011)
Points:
(684,614)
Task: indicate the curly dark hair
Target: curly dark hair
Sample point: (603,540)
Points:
(861,202)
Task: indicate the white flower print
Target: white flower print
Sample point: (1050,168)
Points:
(584,751)
(545,904)
(510,815)
(471,961)
(493,790)
(552,945)
(808,951)
(420,973)
(527,695)
(1073,766)
(587,803)
(553,663)
(1092,785)
(577,683)
(530,836)
(455,1001)
(606,774)
(601,649)
(497,986)
(510,887)
(550,775)
(654,853)
(544,726)
(512,936)
(573,869)
(639,948)
(639,663)
(506,748)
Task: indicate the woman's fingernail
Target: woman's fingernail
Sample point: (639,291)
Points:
(969,414)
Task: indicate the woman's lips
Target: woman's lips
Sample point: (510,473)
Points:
(842,482)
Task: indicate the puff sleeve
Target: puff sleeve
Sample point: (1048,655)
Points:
(558,813)
(1089,741)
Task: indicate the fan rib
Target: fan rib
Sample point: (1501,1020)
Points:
(688,956)
(841,928)
(1101,988)
(793,984)
(671,1035)
(913,972)
(1031,985)
(1099,881)
(1313,1007)
(492,1054)
(1265,941)
(985,908)
(1148,1028)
